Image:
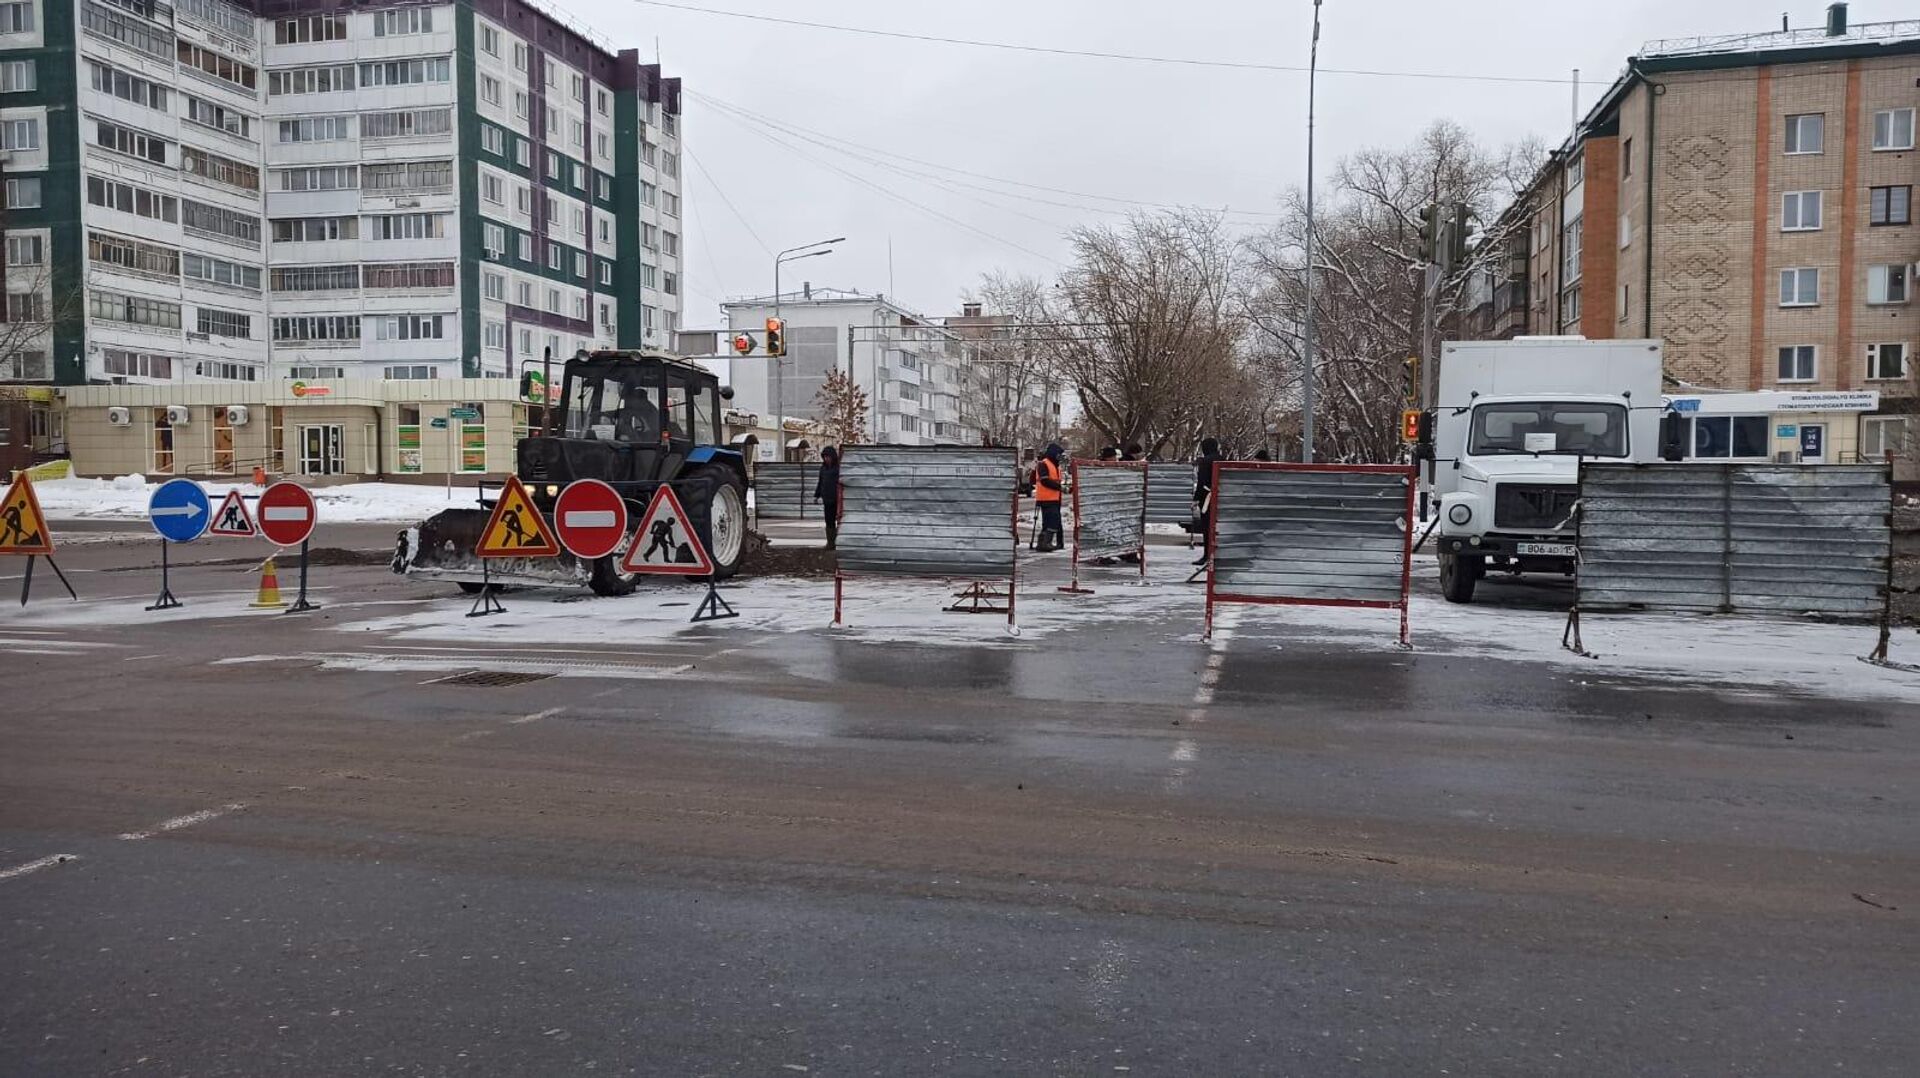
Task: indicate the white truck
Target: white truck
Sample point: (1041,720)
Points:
(1503,443)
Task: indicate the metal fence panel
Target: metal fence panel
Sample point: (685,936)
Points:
(1169,493)
(927,511)
(784,491)
(1109,504)
(1311,534)
(1735,538)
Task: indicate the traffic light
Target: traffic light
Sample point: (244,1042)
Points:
(1429,231)
(743,343)
(1457,237)
(1410,425)
(1410,379)
(776,334)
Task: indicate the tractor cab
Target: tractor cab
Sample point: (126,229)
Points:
(621,417)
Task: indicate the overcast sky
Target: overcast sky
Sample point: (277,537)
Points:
(1126,130)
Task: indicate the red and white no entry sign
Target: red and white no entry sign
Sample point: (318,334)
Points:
(591,518)
(287,514)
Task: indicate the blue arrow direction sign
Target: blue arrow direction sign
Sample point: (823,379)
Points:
(179,510)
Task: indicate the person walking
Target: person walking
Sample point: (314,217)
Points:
(1047,489)
(1132,452)
(1203,492)
(1111,452)
(826,491)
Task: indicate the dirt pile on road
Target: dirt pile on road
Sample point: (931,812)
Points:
(763,557)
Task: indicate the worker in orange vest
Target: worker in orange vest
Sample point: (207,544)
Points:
(1047,488)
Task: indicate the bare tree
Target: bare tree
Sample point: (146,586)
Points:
(1009,384)
(1369,279)
(843,408)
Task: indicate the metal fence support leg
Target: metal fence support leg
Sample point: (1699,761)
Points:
(1570,636)
(838,588)
(1406,640)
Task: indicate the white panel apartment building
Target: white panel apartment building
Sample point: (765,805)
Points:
(319,189)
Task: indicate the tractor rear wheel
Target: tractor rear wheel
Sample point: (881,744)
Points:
(728,521)
(607,579)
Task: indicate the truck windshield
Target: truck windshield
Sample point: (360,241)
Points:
(1589,430)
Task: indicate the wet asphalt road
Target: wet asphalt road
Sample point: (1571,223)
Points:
(1105,851)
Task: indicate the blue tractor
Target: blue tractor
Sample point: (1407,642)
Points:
(634,420)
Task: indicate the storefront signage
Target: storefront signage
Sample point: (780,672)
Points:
(303,390)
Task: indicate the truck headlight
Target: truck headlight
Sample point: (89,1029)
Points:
(1460,514)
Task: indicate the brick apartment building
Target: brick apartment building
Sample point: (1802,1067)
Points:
(1749,200)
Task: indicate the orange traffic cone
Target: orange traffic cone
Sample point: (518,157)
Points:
(269,597)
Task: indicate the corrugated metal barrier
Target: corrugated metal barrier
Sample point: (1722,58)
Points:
(931,511)
(1169,492)
(1736,538)
(1109,513)
(1312,535)
(784,491)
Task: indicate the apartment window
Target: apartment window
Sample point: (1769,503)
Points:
(1570,307)
(126,198)
(221,170)
(493,238)
(219,272)
(407,226)
(218,65)
(606,314)
(120,84)
(333,78)
(17,76)
(553,301)
(410,372)
(493,286)
(649,194)
(1626,231)
(493,336)
(315,229)
(490,89)
(399,275)
(403,21)
(134,310)
(1800,211)
(1893,129)
(1736,437)
(580,308)
(314,278)
(320,178)
(493,140)
(1620,310)
(1886,361)
(25,135)
(553,256)
(28,366)
(650,237)
(1797,363)
(606,274)
(670,284)
(602,187)
(493,189)
(311,374)
(107,136)
(219,117)
(409,327)
(670,164)
(16,18)
(579,265)
(132,256)
(317,327)
(126,29)
(520,100)
(553,75)
(521,153)
(408,72)
(523,293)
(646,318)
(670,124)
(1806,132)
(1626,158)
(648,276)
(317,129)
(525,247)
(1881,435)
(1799,287)
(124,364)
(526,342)
(519,57)
(310,28)
(553,165)
(670,203)
(1887,284)
(648,155)
(552,129)
(670,244)
(413,123)
(408,176)
(26,307)
(26,251)
(1891,205)
(218,323)
(600,102)
(221,222)
(579,85)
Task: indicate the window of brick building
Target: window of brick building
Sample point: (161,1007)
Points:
(1806,132)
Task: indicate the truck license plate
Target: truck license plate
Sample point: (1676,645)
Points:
(1546,550)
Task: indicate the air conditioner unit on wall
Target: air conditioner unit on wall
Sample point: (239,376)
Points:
(120,417)
(236,415)
(179,415)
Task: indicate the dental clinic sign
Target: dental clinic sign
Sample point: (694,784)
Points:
(1769,401)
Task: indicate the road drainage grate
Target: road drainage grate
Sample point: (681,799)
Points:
(490,679)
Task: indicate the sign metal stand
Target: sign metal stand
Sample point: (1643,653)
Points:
(166,601)
(301,604)
(486,603)
(26,582)
(713,607)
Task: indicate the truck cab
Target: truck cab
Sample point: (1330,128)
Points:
(1513,421)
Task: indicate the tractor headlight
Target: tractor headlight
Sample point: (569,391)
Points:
(1460,514)
(552,491)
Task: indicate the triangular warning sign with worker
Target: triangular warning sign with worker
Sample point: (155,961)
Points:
(516,529)
(23,527)
(666,541)
(233,518)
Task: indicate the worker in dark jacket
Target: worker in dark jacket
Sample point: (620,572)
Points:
(1133,452)
(827,492)
(1048,486)
(1203,491)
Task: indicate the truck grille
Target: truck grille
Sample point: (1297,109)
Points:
(1532,508)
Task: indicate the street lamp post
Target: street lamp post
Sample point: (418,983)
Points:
(791,254)
(1307,384)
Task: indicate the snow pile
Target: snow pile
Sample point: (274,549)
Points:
(126,498)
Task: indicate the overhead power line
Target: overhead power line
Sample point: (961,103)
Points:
(1178,61)
(723,197)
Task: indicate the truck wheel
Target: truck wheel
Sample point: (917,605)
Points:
(607,580)
(728,524)
(1458,574)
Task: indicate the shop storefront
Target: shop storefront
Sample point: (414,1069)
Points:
(1777,427)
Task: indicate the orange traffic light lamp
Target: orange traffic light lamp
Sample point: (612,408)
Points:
(1410,425)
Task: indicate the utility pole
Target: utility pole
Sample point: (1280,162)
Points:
(1307,383)
(6,300)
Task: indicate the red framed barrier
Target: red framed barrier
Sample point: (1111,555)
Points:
(1311,535)
(1135,515)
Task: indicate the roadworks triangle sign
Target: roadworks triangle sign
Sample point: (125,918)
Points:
(516,529)
(232,517)
(666,541)
(23,528)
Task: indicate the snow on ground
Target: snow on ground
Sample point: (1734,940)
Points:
(126,498)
